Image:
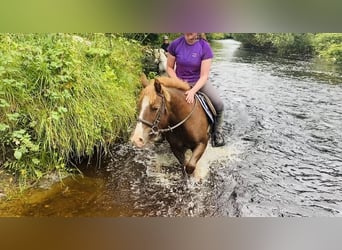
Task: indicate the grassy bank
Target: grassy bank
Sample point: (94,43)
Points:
(62,96)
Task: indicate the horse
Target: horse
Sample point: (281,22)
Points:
(160,59)
(164,110)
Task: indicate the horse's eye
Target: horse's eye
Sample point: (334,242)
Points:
(154,108)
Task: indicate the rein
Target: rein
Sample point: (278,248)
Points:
(154,125)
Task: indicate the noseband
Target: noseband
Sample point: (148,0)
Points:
(154,125)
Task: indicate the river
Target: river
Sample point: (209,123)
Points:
(283,157)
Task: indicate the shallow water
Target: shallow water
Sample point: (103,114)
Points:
(283,124)
(287,114)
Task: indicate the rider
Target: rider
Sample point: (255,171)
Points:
(192,58)
(165,44)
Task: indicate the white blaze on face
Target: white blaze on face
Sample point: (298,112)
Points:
(140,137)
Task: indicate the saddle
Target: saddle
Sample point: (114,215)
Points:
(207,106)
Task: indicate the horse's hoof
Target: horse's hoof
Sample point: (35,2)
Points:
(189,169)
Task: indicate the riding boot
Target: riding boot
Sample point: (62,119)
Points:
(217,132)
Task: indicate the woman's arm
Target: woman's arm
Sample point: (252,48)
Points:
(170,69)
(205,69)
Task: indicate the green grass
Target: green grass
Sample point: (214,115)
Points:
(61,96)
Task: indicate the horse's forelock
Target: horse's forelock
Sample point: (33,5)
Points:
(151,93)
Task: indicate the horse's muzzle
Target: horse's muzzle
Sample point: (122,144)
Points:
(138,141)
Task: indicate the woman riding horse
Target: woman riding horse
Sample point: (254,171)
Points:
(192,58)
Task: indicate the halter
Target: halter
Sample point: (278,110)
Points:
(154,125)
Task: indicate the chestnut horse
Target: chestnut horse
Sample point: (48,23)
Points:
(164,110)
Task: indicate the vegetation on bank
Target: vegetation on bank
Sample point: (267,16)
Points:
(62,96)
(327,46)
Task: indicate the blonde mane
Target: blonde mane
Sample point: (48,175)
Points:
(173,82)
(149,90)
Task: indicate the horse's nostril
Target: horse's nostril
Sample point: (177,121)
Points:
(140,142)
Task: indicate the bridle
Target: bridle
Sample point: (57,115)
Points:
(154,125)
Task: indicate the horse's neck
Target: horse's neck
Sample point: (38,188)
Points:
(178,107)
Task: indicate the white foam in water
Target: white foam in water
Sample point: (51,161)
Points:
(158,160)
(210,156)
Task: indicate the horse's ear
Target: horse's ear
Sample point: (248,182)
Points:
(157,86)
(144,80)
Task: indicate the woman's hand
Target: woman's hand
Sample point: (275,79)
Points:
(190,96)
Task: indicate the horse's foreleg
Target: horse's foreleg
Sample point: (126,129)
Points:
(197,153)
(179,153)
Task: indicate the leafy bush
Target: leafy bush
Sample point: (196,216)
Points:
(324,45)
(282,43)
(329,46)
(61,96)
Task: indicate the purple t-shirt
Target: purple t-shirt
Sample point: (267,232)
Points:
(189,58)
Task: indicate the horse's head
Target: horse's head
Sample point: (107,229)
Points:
(157,53)
(152,112)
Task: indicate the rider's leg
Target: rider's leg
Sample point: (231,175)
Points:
(217,132)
